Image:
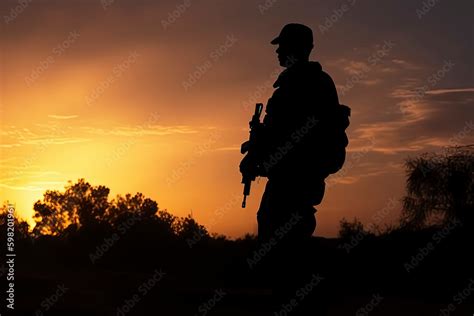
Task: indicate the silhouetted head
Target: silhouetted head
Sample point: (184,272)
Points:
(295,43)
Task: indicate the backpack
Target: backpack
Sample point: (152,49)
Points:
(333,141)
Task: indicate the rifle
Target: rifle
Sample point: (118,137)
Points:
(249,147)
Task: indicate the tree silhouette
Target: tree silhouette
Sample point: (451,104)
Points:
(125,207)
(187,228)
(21,226)
(81,205)
(86,208)
(440,185)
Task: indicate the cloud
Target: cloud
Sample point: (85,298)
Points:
(371,82)
(354,171)
(407,136)
(62,117)
(405,64)
(54,141)
(28,180)
(228,148)
(9,145)
(153,130)
(355,67)
(422,122)
(21,187)
(41,134)
(54,183)
(444,91)
(342,180)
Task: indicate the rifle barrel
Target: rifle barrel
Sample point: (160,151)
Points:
(244,201)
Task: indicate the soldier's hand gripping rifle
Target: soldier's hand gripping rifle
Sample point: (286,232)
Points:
(249,164)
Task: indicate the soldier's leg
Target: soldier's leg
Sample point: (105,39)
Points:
(286,223)
(294,256)
(302,282)
(265,269)
(274,226)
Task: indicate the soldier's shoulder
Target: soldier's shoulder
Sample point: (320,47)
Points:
(326,78)
(316,69)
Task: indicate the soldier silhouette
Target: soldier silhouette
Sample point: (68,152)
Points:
(299,143)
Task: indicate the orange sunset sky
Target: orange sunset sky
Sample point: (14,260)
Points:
(155,97)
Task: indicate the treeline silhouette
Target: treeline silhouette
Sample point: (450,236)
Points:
(103,250)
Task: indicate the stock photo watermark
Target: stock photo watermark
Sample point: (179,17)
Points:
(261,89)
(336,15)
(373,60)
(176,14)
(351,161)
(56,131)
(295,138)
(432,81)
(430,246)
(266,5)
(142,290)
(376,220)
(117,72)
(218,214)
(300,294)
(265,248)
(178,173)
(207,306)
(370,306)
(50,60)
(10,255)
(459,298)
(120,151)
(214,56)
(106,3)
(51,300)
(110,241)
(16,11)
(454,141)
(426,7)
